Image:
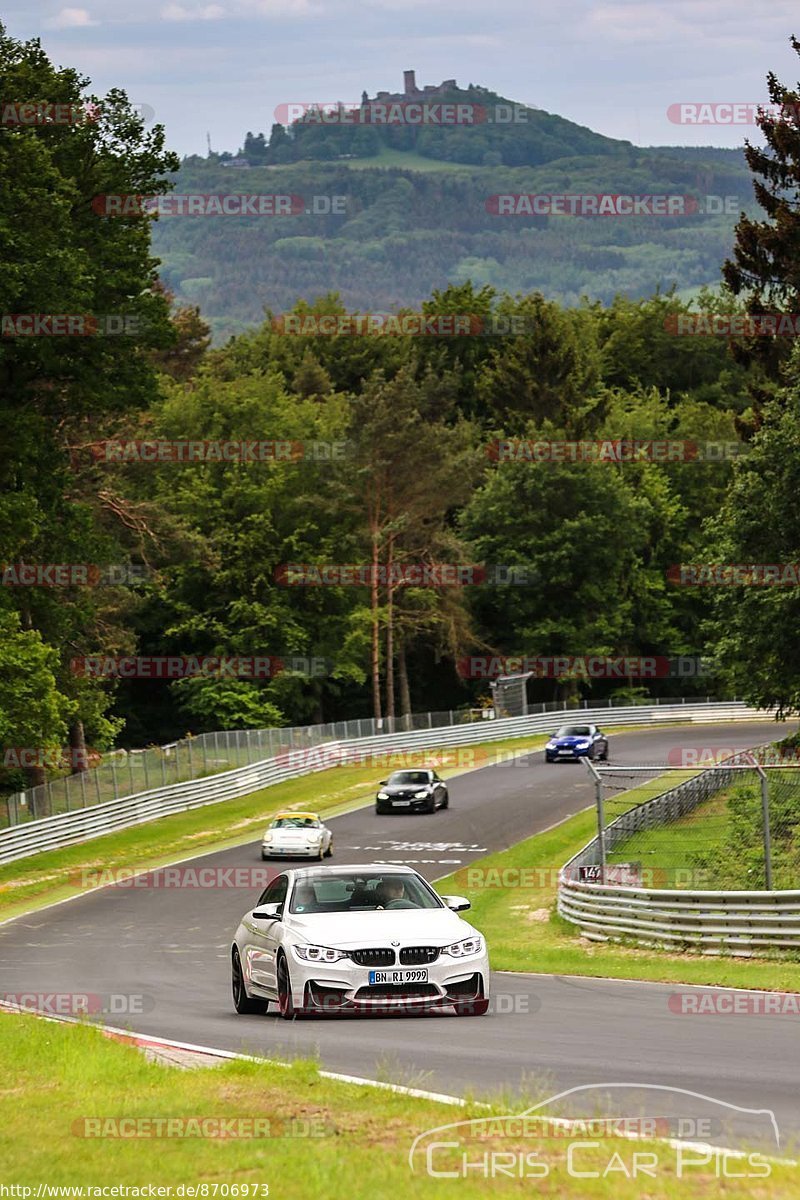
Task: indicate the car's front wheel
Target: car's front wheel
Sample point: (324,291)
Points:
(329,851)
(241,1001)
(446,800)
(286,1005)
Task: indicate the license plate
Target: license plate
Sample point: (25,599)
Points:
(417,976)
(401,803)
(566,753)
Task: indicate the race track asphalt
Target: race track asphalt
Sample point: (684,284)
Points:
(544,1034)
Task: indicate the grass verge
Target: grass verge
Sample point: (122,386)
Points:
(62,1082)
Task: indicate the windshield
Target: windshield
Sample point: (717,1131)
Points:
(369,892)
(574,731)
(409,777)
(295,823)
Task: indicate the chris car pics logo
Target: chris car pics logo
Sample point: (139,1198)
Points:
(663,1133)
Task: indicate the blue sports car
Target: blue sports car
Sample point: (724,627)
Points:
(576,741)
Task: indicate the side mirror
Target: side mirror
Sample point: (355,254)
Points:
(382,783)
(457,903)
(267,912)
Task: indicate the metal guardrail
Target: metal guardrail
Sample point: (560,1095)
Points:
(65,829)
(124,773)
(717,922)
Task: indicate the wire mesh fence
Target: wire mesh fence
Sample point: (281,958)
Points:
(728,826)
(127,772)
(124,773)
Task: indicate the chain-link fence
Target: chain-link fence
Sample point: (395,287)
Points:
(729,826)
(127,772)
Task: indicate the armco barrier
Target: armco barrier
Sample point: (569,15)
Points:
(716,922)
(49,833)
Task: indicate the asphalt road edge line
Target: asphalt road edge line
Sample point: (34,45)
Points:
(145,1040)
(707,987)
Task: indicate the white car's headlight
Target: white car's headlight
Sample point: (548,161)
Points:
(268,836)
(470,945)
(319,953)
(383,795)
(421,795)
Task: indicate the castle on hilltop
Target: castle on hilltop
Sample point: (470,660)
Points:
(412,92)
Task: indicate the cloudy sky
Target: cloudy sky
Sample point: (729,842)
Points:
(223,66)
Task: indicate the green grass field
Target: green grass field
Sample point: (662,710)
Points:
(81,1110)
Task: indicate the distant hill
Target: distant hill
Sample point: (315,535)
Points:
(417,214)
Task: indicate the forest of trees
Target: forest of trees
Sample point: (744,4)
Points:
(401,232)
(195,552)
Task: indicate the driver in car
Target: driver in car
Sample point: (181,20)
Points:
(392,894)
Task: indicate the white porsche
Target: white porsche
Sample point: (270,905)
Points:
(297,835)
(357,939)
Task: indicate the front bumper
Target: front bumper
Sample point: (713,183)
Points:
(289,851)
(395,804)
(345,987)
(566,753)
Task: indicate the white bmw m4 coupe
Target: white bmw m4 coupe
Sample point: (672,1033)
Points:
(362,939)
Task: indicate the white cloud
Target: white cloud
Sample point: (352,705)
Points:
(281,8)
(70,18)
(176,12)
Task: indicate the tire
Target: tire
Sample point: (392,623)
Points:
(264,857)
(241,1001)
(286,1006)
(329,851)
(604,755)
(446,801)
(379,812)
(472,1008)
(431,805)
